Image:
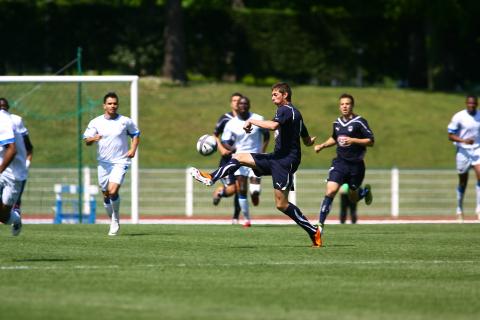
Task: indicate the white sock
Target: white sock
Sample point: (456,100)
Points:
(243,202)
(115,209)
(478,198)
(108,209)
(14,217)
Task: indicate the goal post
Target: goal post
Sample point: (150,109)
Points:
(133,90)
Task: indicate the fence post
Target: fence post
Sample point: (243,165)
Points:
(188,193)
(86,190)
(395,190)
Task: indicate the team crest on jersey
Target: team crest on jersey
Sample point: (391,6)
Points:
(350,128)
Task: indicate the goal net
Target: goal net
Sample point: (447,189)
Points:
(56,111)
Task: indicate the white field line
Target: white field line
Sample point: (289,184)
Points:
(239,264)
(181,221)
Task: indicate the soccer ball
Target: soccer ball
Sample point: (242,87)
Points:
(206,145)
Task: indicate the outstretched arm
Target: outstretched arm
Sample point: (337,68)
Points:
(328,143)
(265,124)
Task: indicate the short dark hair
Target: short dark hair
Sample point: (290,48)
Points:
(246,99)
(349,96)
(283,87)
(110,95)
(236,94)
(471,96)
(5,102)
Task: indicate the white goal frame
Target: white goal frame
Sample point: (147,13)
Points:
(133,80)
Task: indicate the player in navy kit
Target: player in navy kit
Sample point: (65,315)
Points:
(281,164)
(229,184)
(352,136)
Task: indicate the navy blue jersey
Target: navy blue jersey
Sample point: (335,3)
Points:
(220,126)
(354,128)
(287,137)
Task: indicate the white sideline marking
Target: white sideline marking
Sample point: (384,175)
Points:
(255,222)
(240,264)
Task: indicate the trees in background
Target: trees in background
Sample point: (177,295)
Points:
(412,43)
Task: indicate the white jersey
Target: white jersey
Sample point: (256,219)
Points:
(17,170)
(466,126)
(18,122)
(244,142)
(114,144)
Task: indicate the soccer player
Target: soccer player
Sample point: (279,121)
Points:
(254,142)
(13,171)
(111,131)
(352,135)
(464,131)
(282,163)
(18,122)
(228,187)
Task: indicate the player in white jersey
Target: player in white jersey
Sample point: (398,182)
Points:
(253,142)
(464,131)
(13,171)
(18,122)
(111,132)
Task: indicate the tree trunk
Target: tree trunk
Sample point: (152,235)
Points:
(174,60)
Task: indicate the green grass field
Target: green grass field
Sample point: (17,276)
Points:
(226,272)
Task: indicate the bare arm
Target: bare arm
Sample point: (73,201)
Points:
(223,149)
(133,147)
(265,124)
(29,147)
(366,142)
(455,138)
(328,143)
(91,140)
(10,152)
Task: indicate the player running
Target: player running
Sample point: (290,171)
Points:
(281,164)
(352,135)
(235,137)
(13,170)
(464,131)
(18,123)
(111,131)
(228,187)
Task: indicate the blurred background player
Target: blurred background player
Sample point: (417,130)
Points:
(346,206)
(228,186)
(111,131)
(18,123)
(352,135)
(464,131)
(254,142)
(13,171)
(281,164)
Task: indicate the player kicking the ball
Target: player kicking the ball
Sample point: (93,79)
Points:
(281,164)
(352,136)
(111,131)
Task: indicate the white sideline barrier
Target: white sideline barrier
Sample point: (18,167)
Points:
(171,193)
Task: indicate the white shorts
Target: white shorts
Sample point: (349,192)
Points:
(9,190)
(111,172)
(246,172)
(467,158)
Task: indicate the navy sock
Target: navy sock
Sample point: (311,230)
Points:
(325,209)
(236,210)
(229,168)
(296,215)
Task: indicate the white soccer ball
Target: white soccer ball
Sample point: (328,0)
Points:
(206,145)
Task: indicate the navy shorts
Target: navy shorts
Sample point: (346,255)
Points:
(342,171)
(229,179)
(280,168)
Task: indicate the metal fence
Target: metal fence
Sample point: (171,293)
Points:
(169,192)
